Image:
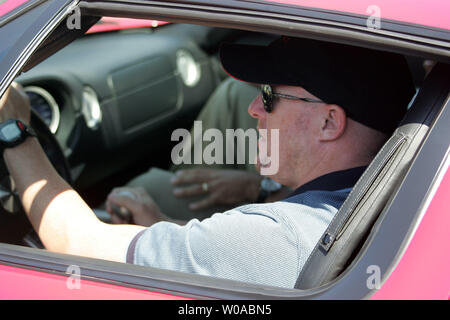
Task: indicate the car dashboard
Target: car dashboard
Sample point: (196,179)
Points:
(118,95)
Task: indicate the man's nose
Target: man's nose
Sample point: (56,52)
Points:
(256,108)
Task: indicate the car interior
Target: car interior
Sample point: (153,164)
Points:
(112,100)
(106,104)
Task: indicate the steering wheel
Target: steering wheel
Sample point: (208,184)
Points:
(14,225)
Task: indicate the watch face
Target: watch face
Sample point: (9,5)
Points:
(270,185)
(10,132)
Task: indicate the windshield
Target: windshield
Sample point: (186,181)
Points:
(2,53)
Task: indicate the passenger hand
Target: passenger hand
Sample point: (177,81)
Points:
(15,104)
(144,211)
(220,187)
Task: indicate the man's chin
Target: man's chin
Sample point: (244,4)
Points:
(265,169)
(258,166)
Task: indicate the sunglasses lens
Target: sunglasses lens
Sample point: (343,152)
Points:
(266,94)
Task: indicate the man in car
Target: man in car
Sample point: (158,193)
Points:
(190,190)
(333,106)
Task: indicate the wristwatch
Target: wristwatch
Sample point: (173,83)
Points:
(14,132)
(268,186)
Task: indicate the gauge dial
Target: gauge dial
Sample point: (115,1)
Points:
(45,105)
(188,68)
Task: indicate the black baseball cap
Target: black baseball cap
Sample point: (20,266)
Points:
(373,87)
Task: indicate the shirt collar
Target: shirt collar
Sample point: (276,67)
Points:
(332,181)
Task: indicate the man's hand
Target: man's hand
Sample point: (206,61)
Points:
(144,211)
(218,186)
(15,104)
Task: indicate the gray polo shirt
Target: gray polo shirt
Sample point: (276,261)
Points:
(256,243)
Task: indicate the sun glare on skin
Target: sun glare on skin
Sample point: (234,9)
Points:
(31,192)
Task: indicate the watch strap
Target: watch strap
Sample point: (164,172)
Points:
(25,132)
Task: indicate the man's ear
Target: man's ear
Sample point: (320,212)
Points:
(334,123)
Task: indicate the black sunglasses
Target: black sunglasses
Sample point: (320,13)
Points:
(267,95)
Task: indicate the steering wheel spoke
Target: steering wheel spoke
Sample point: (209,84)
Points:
(9,198)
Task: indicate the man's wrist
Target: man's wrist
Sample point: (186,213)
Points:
(14,132)
(25,147)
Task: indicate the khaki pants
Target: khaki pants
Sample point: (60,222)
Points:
(226,109)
